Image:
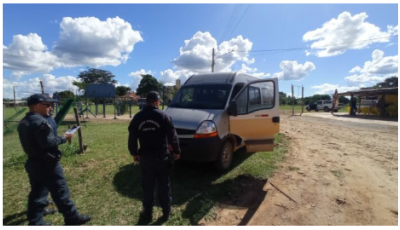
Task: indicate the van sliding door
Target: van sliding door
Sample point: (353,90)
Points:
(257,119)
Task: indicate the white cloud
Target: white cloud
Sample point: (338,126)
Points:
(376,70)
(137,77)
(291,70)
(330,88)
(346,32)
(83,41)
(28,54)
(196,54)
(89,41)
(26,88)
(169,77)
(253,72)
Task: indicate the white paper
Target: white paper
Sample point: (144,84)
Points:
(72,130)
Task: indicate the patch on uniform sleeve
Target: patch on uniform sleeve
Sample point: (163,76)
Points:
(45,127)
(24,122)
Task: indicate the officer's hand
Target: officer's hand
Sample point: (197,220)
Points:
(68,136)
(177,156)
(136,159)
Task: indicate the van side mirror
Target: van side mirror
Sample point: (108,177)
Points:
(232,108)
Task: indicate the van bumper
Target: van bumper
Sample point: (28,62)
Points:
(200,149)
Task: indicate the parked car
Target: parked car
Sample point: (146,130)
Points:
(216,114)
(325,105)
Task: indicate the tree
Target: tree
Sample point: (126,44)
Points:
(122,90)
(147,84)
(65,94)
(94,76)
(282,98)
(344,100)
(390,82)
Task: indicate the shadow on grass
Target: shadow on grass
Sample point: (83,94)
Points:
(15,219)
(194,184)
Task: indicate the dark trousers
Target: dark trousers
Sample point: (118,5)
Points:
(43,180)
(154,171)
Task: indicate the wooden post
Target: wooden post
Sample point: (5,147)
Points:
(78,122)
(42,87)
(302,99)
(292,100)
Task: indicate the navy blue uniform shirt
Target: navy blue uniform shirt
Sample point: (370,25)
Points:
(154,130)
(37,136)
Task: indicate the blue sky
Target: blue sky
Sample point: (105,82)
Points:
(343,46)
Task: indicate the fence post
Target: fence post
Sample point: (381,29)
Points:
(79,131)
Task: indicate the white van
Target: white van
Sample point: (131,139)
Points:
(215,114)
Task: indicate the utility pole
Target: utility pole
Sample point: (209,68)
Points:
(212,62)
(163,97)
(15,100)
(41,86)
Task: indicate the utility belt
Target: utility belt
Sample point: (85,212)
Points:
(163,154)
(155,153)
(50,158)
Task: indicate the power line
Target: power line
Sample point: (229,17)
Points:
(230,21)
(239,20)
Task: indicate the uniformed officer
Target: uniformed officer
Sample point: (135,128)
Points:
(155,132)
(43,167)
(52,123)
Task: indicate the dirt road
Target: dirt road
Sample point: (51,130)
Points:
(336,172)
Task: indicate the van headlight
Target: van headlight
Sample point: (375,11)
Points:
(206,129)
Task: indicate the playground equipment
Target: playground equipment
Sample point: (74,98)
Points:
(99,91)
(64,110)
(8,127)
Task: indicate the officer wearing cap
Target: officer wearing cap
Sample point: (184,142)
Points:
(155,132)
(44,170)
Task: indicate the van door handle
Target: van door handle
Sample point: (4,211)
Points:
(275,119)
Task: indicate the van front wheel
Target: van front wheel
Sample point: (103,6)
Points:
(225,157)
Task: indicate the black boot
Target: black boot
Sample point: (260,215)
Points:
(166,213)
(49,211)
(78,219)
(146,215)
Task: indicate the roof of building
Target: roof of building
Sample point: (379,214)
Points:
(370,92)
(131,95)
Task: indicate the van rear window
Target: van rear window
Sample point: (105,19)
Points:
(202,97)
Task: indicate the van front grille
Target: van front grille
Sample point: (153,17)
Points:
(185,131)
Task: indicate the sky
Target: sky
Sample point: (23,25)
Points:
(322,47)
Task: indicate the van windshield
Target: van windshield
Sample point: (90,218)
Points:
(201,97)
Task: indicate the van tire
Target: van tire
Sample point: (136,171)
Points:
(224,160)
(326,109)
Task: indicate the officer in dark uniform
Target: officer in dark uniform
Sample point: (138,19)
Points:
(43,167)
(155,132)
(52,123)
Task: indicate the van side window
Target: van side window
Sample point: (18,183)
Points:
(254,95)
(261,96)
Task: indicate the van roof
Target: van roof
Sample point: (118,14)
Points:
(219,78)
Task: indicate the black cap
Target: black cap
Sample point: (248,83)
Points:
(153,95)
(38,98)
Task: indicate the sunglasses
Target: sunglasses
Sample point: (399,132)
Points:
(47,105)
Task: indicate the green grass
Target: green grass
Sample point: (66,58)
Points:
(106,184)
(291,168)
(337,173)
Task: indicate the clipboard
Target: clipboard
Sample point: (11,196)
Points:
(72,130)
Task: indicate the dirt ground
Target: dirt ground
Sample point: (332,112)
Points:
(338,171)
